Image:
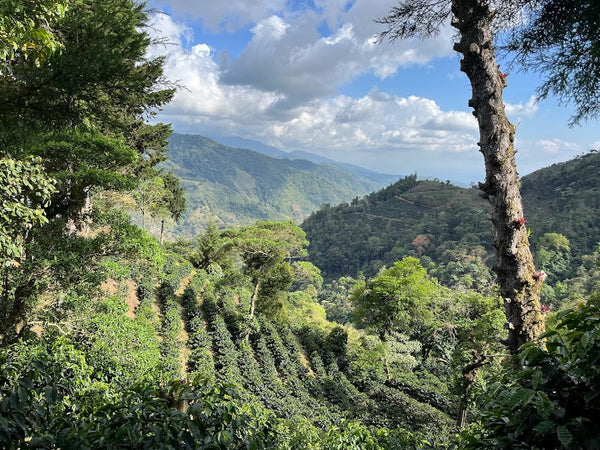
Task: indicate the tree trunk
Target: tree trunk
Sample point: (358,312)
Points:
(162,231)
(253,299)
(469,375)
(517,277)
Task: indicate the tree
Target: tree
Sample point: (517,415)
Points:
(99,83)
(82,162)
(174,200)
(554,403)
(265,248)
(212,247)
(25,29)
(397,300)
(75,91)
(476,21)
(100,78)
(26,191)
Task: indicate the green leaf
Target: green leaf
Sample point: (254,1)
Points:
(564,436)
(543,405)
(591,396)
(544,427)
(520,398)
(51,394)
(18,418)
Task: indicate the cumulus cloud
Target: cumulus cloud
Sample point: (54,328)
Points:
(520,110)
(283,89)
(230,15)
(536,153)
(377,122)
(288,54)
(556,146)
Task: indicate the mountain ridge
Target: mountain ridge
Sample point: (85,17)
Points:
(235,186)
(381,179)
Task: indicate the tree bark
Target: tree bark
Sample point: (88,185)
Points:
(253,299)
(469,375)
(517,278)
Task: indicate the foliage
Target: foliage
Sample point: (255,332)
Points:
(122,350)
(552,401)
(559,42)
(110,339)
(80,162)
(26,191)
(397,299)
(380,229)
(25,31)
(264,249)
(100,78)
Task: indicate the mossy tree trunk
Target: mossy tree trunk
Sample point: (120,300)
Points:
(517,277)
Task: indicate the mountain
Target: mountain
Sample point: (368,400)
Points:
(565,198)
(450,224)
(380,179)
(233,186)
(410,217)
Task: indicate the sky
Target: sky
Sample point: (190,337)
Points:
(308,75)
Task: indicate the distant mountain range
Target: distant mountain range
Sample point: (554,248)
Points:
(380,179)
(230,185)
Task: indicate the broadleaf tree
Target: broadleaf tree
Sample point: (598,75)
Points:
(265,249)
(77,100)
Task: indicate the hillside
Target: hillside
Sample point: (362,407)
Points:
(448,224)
(420,218)
(565,198)
(233,186)
(380,179)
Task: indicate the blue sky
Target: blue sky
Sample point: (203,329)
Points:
(306,75)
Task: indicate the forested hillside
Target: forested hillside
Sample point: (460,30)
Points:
(449,226)
(379,179)
(111,337)
(230,186)
(565,198)
(420,218)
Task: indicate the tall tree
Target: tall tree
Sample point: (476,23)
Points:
(99,82)
(76,89)
(476,21)
(396,300)
(174,200)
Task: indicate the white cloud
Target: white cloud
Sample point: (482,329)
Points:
(230,15)
(536,153)
(556,146)
(521,110)
(288,55)
(283,89)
